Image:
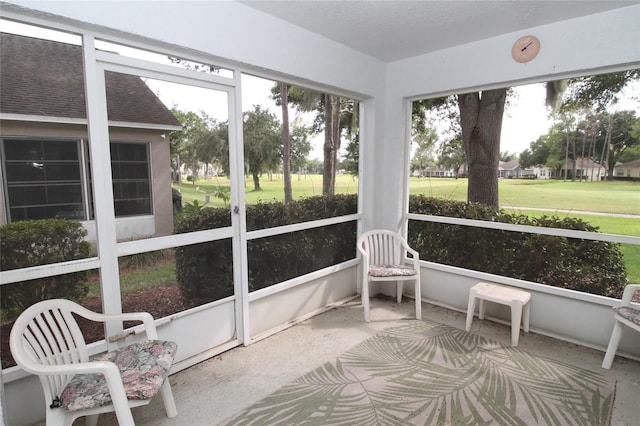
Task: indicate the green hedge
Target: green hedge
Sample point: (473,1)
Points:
(595,267)
(41,242)
(204,271)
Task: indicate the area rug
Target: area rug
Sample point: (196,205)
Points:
(425,373)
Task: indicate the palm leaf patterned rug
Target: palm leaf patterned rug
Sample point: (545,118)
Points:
(425,373)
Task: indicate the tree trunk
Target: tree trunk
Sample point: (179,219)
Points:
(335,139)
(481,123)
(256,182)
(329,167)
(608,168)
(178,168)
(286,144)
(584,143)
(573,164)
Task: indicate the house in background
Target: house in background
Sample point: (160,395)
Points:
(586,169)
(629,169)
(44,148)
(510,169)
(541,171)
(436,171)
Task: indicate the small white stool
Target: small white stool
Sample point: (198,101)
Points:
(515,298)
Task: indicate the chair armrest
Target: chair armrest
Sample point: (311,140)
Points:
(414,254)
(144,317)
(628,293)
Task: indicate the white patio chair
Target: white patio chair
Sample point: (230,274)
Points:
(383,259)
(46,340)
(628,314)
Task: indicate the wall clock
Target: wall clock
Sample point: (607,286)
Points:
(525,48)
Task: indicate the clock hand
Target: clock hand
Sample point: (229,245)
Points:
(525,48)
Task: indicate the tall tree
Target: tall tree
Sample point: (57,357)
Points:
(331,146)
(349,122)
(619,136)
(286,143)
(261,143)
(596,93)
(452,154)
(184,144)
(425,141)
(536,154)
(481,122)
(332,115)
(300,145)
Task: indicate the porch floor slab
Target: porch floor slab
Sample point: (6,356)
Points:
(216,389)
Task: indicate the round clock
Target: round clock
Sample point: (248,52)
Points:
(525,48)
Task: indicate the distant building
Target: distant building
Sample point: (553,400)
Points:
(437,171)
(586,169)
(512,169)
(541,171)
(630,169)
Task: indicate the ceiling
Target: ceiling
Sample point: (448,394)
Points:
(391,30)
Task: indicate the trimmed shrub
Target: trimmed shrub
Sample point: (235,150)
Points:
(595,267)
(42,242)
(205,273)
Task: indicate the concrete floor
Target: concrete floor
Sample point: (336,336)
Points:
(214,390)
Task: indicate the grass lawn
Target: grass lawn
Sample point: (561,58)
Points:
(604,197)
(303,186)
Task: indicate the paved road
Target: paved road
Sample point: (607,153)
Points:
(630,216)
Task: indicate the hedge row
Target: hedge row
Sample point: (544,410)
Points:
(595,267)
(42,242)
(205,272)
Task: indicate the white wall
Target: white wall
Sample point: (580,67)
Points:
(232,32)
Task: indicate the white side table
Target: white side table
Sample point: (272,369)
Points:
(518,300)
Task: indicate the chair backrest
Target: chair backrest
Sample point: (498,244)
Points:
(382,247)
(46,337)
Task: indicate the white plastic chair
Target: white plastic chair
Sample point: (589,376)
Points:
(628,314)
(383,259)
(46,340)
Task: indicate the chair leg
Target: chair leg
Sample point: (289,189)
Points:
(91,420)
(516,319)
(365,299)
(482,309)
(613,345)
(418,296)
(526,316)
(167,398)
(470,310)
(399,286)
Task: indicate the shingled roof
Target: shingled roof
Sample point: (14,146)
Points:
(45,78)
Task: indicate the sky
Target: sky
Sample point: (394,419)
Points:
(525,118)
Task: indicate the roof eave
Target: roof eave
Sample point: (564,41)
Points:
(83,121)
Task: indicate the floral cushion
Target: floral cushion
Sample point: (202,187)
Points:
(143,367)
(629,313)
(391,271)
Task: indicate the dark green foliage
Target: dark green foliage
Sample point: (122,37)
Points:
(204,271)
(589,266)
(42,242)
